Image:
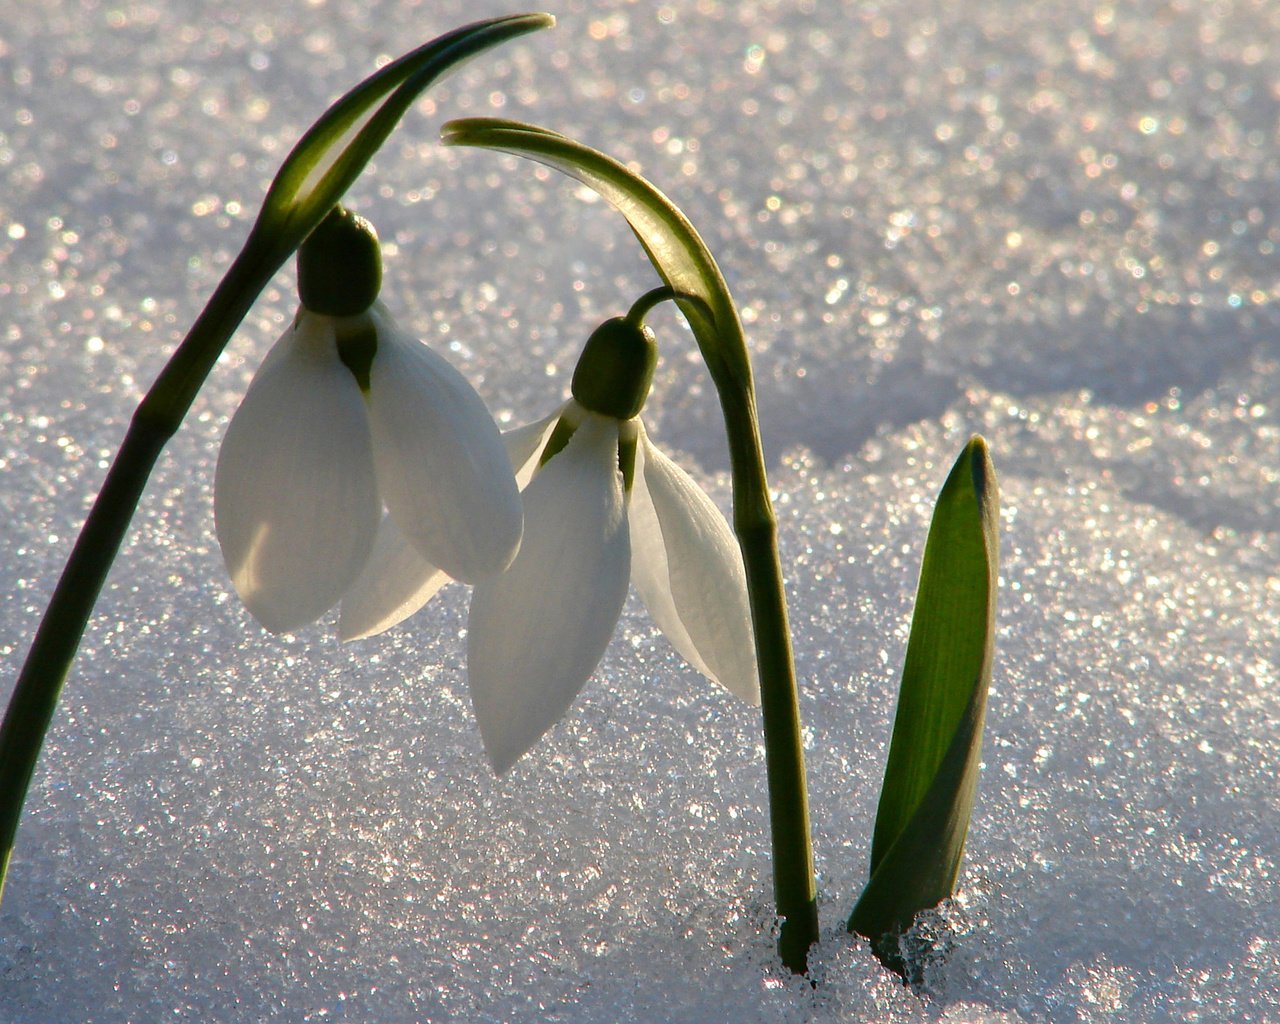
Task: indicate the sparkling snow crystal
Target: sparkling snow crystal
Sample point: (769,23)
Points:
(1054,224)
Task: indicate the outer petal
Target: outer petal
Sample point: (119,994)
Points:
(396,580)
(525,444)
(395,583)
(537,632)
(688,570)
(442,470)
(295,499)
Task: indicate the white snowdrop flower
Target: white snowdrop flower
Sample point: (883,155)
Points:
(604,508)
(347,416)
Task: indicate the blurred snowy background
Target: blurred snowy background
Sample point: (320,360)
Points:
(1053,223)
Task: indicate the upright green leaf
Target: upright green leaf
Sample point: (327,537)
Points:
(684,262)
(932,772)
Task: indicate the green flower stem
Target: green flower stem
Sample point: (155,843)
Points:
(48,663)
(323,165)
(755,526)
(757,531)
(688,268)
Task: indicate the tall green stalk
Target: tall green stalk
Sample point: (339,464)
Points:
(316,174)
(688,268)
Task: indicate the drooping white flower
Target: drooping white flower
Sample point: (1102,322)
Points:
(347,416)
(604,508)
(537,632)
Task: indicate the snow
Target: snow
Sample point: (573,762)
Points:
(1050,223)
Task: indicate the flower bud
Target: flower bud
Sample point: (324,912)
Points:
(615,371)
(340,265)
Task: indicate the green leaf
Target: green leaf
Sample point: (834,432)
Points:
(311,181)
(932,772)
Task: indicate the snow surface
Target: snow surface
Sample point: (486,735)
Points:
(1052,223)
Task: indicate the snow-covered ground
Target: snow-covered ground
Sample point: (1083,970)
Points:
(1052,223)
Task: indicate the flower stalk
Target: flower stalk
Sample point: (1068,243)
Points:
(316,174)
(683,261)
(755,524)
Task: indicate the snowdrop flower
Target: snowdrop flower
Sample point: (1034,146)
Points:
(605,507)
(349,415)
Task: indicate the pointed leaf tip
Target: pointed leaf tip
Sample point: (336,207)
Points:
(932,772)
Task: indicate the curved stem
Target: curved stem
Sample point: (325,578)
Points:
(755,526)
(644,305)
(313,178)
(35,696)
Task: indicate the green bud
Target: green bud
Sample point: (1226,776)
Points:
(615,371)
(357,341)
(340,265)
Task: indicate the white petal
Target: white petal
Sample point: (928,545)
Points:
(395,583)
(295,499)
(524,445)
(688,570)
(537,632)
(442,469)
(396,580)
